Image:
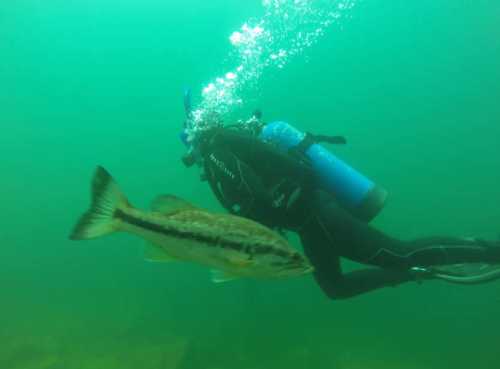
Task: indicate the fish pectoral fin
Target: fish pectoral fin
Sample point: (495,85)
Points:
(240,262)
(219,276)
(170,204)
(154,253)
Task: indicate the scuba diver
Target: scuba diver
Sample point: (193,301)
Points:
(278,176)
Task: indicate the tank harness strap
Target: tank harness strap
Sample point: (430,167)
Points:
(334,140)
(214,185)
(310,139)
(306,142)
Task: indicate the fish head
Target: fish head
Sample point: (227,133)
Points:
(290,265)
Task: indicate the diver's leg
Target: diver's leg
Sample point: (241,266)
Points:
(362,243)
(328,272)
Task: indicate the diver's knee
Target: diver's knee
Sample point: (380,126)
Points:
(336,292)
(339,295)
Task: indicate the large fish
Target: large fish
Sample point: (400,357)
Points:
(233,246)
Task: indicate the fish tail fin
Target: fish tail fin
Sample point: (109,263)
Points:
(107,199)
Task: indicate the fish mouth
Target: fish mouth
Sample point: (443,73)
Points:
(300,268)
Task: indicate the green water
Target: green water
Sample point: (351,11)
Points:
(413,85)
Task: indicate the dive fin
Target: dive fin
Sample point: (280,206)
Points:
(218,276)
(170,204)
(107,198)
(472,273)
(154,253)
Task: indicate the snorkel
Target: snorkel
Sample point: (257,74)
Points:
(197,122)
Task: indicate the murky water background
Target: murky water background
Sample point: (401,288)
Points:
(414,86)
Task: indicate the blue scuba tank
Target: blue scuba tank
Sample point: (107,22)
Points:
(353,191)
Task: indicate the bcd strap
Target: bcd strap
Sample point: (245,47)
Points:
(334,140)
(306,142)
(215,186)
(310,139)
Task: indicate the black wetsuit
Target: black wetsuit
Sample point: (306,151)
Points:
(256,180)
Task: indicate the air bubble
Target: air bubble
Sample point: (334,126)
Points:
(287,29)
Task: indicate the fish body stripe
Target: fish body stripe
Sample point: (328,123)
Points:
(208,240)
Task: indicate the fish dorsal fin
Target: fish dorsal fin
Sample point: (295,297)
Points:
(218,276)
(154,253)
(170,204)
